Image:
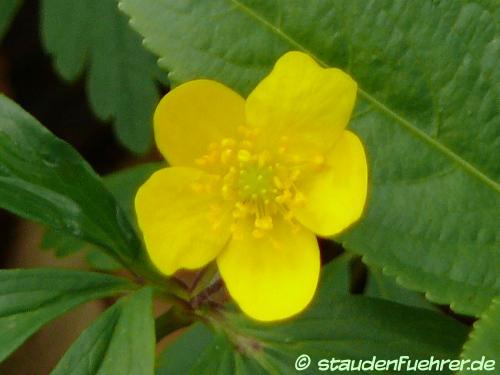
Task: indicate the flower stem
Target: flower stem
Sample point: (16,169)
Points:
(206,293)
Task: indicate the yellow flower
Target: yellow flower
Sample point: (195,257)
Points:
(253,181)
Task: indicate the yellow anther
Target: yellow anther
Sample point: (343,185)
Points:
(228,142)
(263,158)
(226,156)
(295,175)
(226,191)
(244,155)
(299,198)
(216,225)
(212,157)
(288,216)
(277,182)
(213,146)
(241,206)
(247,144)
(284,197)
(265,223)
(257,233)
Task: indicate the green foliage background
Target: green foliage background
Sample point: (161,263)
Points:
(427,112)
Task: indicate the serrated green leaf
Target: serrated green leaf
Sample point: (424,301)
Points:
(29,299)
(63,244)
(100,261)
(347,327)
(44,179)
(335,326)
(123,185)
(121,341)
(484,339)
(8,9)
(427,112)
(121,81)
(382,286)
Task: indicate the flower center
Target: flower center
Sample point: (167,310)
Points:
(258,184)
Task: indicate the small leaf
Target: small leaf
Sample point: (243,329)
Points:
(29,299)
(99,261)
(121,81)
(8,10)
(121,341)
(484,340)
(427,112)
(44,179)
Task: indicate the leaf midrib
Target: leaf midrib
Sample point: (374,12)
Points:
(468,167)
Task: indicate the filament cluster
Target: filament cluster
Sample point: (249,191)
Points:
(258,184)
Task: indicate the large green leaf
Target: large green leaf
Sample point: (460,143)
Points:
(121,341)
(121,78)
(8,9)
(484,340)
(427,112)
(123,185)
(31,298)
(335,326)
(43,179)
(348,327)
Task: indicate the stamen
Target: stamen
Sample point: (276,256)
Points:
(256,185)
(244,155)
(265,223)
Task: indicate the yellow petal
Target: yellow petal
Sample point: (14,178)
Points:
(193,115)
(272,277)
(335,197)
(302,104)
(183,225)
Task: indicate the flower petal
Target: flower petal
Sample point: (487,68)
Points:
(272,277)
(182,226)
(335,197)
(303,103)
(193,115)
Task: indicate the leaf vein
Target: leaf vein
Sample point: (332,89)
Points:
(468,167)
